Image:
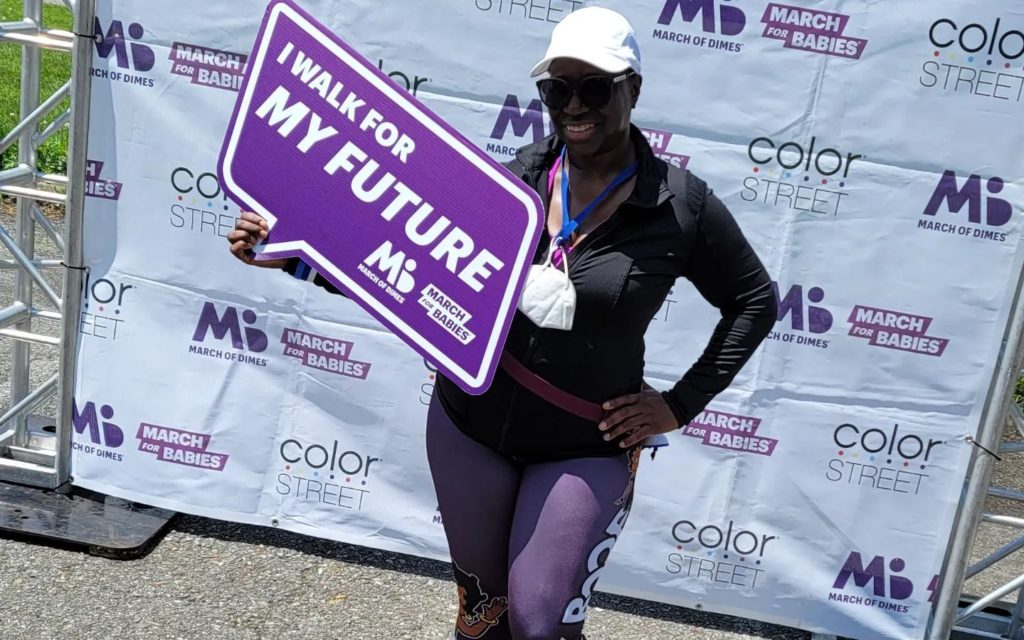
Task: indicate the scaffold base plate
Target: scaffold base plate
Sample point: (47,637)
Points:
(75,517)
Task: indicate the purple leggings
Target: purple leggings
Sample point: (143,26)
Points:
(527,541)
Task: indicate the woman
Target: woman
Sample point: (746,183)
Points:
(534,477)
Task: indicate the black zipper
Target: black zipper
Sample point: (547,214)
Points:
(532,180)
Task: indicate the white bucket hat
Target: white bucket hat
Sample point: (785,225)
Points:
(595,35)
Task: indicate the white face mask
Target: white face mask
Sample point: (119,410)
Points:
(549,299)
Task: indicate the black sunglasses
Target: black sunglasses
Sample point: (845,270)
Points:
(594,91)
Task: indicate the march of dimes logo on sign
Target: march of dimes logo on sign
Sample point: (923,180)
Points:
(235,336)
(723,554)
(134,60)
(325,473)
(811,30)
(97,186)
(324,353)
(95,433)
(789,175)
(981,58)
(208,67)
(987,213)
(877,583)
(896,330)
(720,23)
(801,318)
(225,333)
(893,459)
(179,446)
(729,431)
(522,122)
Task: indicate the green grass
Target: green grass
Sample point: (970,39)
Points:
(56,70)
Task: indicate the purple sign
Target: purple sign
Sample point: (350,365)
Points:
(379,195)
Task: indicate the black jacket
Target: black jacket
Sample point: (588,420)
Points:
(622,273)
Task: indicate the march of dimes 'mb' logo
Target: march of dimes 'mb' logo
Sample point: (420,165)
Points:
(893,459)
(95,432)
(326,473)
(521,122)
(879,582)
(725,554)
(234,336)
(801,319)
(133,60)
(712,24)
(981,57)
(987,214)
(810,178)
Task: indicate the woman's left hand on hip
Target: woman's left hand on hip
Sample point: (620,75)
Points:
(637,416)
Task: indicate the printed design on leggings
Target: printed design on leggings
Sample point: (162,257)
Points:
(576,610)
(477,611)
(633,462)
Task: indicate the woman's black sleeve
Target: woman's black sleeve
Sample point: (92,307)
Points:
(292,268)
(727,272)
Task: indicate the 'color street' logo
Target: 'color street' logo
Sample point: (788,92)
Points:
(104,436)
(323,353)
(410,83)
(811,30)
(325,474)
(728,556)
(178,446)
(427,388)
(728,21)
(208,67)
(789,176)
(200,205)
(102,304)
(728,431)
(950,198)
(975,59)
(129,56)
(97,187)
(804,318)
(227,325)
(543,10)
(895,330)
(881,460)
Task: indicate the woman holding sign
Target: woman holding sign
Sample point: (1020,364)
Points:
(534,477)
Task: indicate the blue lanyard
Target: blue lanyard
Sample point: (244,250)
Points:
(569,226)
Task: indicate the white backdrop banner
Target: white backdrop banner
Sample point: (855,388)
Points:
(872,157)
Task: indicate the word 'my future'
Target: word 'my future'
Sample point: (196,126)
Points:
(450,245)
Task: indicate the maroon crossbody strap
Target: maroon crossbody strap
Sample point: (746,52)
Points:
(549,392)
